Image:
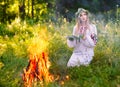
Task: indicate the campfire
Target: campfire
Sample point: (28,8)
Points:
(38,66)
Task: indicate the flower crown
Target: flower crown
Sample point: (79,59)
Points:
(80,10)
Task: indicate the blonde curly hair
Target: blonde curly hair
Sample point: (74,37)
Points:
(77,14)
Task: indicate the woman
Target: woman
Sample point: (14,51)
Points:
(84,46)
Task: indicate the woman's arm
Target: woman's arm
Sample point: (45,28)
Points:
(90,40)
(72,43)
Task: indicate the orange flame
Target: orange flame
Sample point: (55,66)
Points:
(38,67)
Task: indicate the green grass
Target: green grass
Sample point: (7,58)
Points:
(104,71)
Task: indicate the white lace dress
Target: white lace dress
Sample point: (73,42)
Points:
(84,49)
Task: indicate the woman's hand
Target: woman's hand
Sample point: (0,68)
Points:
(84,37)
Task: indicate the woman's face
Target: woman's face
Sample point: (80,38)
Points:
(83,17)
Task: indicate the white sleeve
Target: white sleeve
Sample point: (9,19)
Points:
(95,30)
(71,44)
(89,42)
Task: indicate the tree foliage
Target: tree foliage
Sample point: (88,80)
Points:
(35,9)
(48,9)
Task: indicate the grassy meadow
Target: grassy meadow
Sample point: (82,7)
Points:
(15,38)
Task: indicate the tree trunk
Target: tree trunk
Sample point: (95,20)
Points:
(22,10)
(4,11)
(28,7)
(32,9)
